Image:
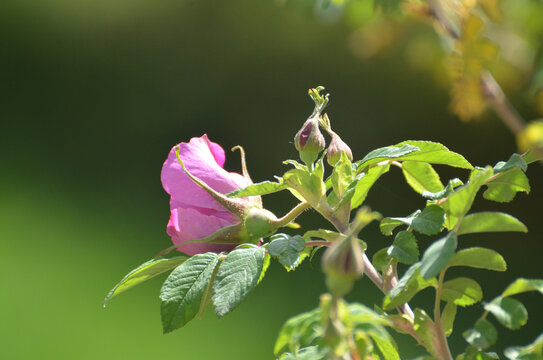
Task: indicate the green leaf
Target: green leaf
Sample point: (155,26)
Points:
(429,221)
(308,353)
(381,259)
(531,157)
(421,176)
(365,183)
(473,354)
(183,290)
(287,249)
(342,175)
(533,351)
(145,272)
(438,255)
(482,336)
(265,267)
(523,285)
(505,187)
(425,329)
(298,331)
(449,189)
(447,317)
(385,153)
(237,276)
(514,161)
(409,285)
(490,222)
(305,186)
(434,153)
(325,234)
(461,199)
(261,188)
(462,291)
(480,258)
(404,248)
(509,312)
(385,343)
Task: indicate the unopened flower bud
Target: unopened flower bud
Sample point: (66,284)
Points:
(336,147)
(309,141)
(342,263)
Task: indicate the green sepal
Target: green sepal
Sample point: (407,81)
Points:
(261,188)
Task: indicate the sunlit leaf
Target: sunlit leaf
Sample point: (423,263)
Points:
(481,258)
(483,335)
(462,291)
(510,312)
(490,222)
(438,255)
(524,285)
(421,177)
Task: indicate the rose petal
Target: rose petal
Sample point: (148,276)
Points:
(203,159)
(191,224)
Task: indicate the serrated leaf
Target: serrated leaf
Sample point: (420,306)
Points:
(421,177)
(434,153)
(505,187)
(514,161)
(407,287)
(182,292)
(523,285)
(237,276)
(365,183)
(490,222)
(483,335)
(385,153)
(449,189)
(308,353)
(462,291)
(429,221)
(287,249)
(381,259)
(447,317)
(438,255)
(404,248)
(265,266)
(510,312)
(261,188)
(298,331)
(425,329)
(460,201)
(481,258)
(145,272)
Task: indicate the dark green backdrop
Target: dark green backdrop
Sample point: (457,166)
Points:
(93,96)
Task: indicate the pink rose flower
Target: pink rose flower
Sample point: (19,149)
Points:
(194,213)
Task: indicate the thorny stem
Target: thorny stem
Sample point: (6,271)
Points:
(443,351)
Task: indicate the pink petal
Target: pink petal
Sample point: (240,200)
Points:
(204,160)
(191,224)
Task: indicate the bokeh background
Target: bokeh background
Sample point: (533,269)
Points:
(95,93)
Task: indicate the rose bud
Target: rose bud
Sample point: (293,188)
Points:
(309,141)
(336,147)
(342,263)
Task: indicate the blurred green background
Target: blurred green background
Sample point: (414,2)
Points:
(95,93)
